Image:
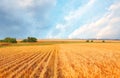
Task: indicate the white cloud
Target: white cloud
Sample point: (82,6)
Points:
(60,27)
(106,27)
(29,3)
(25,3)
(79,12)
(70,19)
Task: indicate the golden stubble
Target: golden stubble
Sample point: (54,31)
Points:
(83,60)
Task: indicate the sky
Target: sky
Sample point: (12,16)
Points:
(60,19)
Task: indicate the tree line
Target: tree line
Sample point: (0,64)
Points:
(13,40)
(93,41)
(29,39)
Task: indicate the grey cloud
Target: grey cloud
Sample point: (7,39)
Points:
(23,20)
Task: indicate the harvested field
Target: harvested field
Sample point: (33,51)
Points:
(83,60)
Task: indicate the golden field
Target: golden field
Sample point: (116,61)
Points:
(73,60)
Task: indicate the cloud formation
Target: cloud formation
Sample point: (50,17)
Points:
(22,18)
(60,18)
(107,27)
(70,20)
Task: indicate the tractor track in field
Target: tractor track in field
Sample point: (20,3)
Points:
(60,61)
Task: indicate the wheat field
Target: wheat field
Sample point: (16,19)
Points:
(82,60)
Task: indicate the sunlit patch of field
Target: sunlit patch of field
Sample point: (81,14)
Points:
(80,60)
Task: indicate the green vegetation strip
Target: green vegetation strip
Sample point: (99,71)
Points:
(49,43)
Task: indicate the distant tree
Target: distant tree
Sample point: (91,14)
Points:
(87,40)
(9,40)
(30,39)
(1,40)
(91,40)
(24,40)
(103,41)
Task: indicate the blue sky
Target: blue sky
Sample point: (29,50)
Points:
(60,19)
